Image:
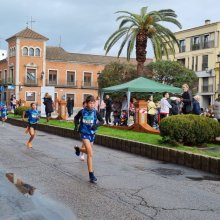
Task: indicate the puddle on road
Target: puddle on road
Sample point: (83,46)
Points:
(167,172)
(50,209)
(211,178)
(20,185)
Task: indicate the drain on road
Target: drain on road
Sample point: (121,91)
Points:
(212,178)
(21,186)
(167,172)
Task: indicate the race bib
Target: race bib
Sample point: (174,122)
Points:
(88,119)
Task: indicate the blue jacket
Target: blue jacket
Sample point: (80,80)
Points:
(196,108)
(87,121)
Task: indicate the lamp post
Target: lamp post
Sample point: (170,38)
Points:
(218,60)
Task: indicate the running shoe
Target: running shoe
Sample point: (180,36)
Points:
(92,177)
(29,145)
(77,150)
(82,157)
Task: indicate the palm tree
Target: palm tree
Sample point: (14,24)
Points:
(140,28)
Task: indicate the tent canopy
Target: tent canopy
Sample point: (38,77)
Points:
(142,84)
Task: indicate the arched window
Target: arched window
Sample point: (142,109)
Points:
(31,51)
(25,51)
(37,52)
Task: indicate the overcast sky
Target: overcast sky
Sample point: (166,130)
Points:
(84,25)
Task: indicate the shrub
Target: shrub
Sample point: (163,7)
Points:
(189,129)
(19,110)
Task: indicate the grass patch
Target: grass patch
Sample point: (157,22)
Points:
(132,135)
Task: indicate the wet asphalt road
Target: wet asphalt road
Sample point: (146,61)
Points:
(129,186)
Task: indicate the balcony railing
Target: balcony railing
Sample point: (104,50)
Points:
(207,88)
(30,82)
(91,85)
(51,83)
(203,45)
(68,84)
(8,81)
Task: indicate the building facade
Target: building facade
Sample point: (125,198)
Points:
(198,51)
(31,66)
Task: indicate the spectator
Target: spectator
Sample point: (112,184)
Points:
(108,108)
(48,102)
(70,105)
(175,103)
(196,105)
(151,111)
(186,99)
(216,109)
(124,118)
(165,106)
(124,105)
(97,104)
(102,108)
(13,102)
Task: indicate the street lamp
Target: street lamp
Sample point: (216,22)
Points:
(218,60)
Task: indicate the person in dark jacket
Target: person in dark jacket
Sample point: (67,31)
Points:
(196,105)
(108,108)
(186,99)
(70,105)
(48,102)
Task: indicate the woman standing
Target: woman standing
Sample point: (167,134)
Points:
(151,111)
(186,99)
(48,102)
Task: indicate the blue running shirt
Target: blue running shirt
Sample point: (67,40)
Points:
(4,112)
(33,116)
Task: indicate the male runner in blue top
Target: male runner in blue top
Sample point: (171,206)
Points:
(4,113)
(86,123)
(33,117)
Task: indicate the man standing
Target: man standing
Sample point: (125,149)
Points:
(108,108)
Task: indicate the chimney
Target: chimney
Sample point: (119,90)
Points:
(207,21)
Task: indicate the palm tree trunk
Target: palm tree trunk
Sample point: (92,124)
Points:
(141,45)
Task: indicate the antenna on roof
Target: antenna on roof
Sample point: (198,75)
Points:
(60,41)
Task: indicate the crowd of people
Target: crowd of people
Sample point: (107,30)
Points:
(118,113)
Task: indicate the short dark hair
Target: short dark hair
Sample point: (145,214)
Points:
(90,98)
(33,104)
(164,93)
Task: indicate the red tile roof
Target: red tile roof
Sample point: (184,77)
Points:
(28,33)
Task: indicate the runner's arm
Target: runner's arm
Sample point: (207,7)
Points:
(77,120)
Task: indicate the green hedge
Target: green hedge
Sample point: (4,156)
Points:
(19,110)
(189,129)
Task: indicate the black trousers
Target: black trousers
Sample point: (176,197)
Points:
(150,119)
(108,117)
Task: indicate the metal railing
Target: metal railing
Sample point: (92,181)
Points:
(30,82)
(92,85)
(207,88)
(8,81)
(203,45)
(51,82)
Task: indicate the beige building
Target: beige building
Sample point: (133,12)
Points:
(199,50)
